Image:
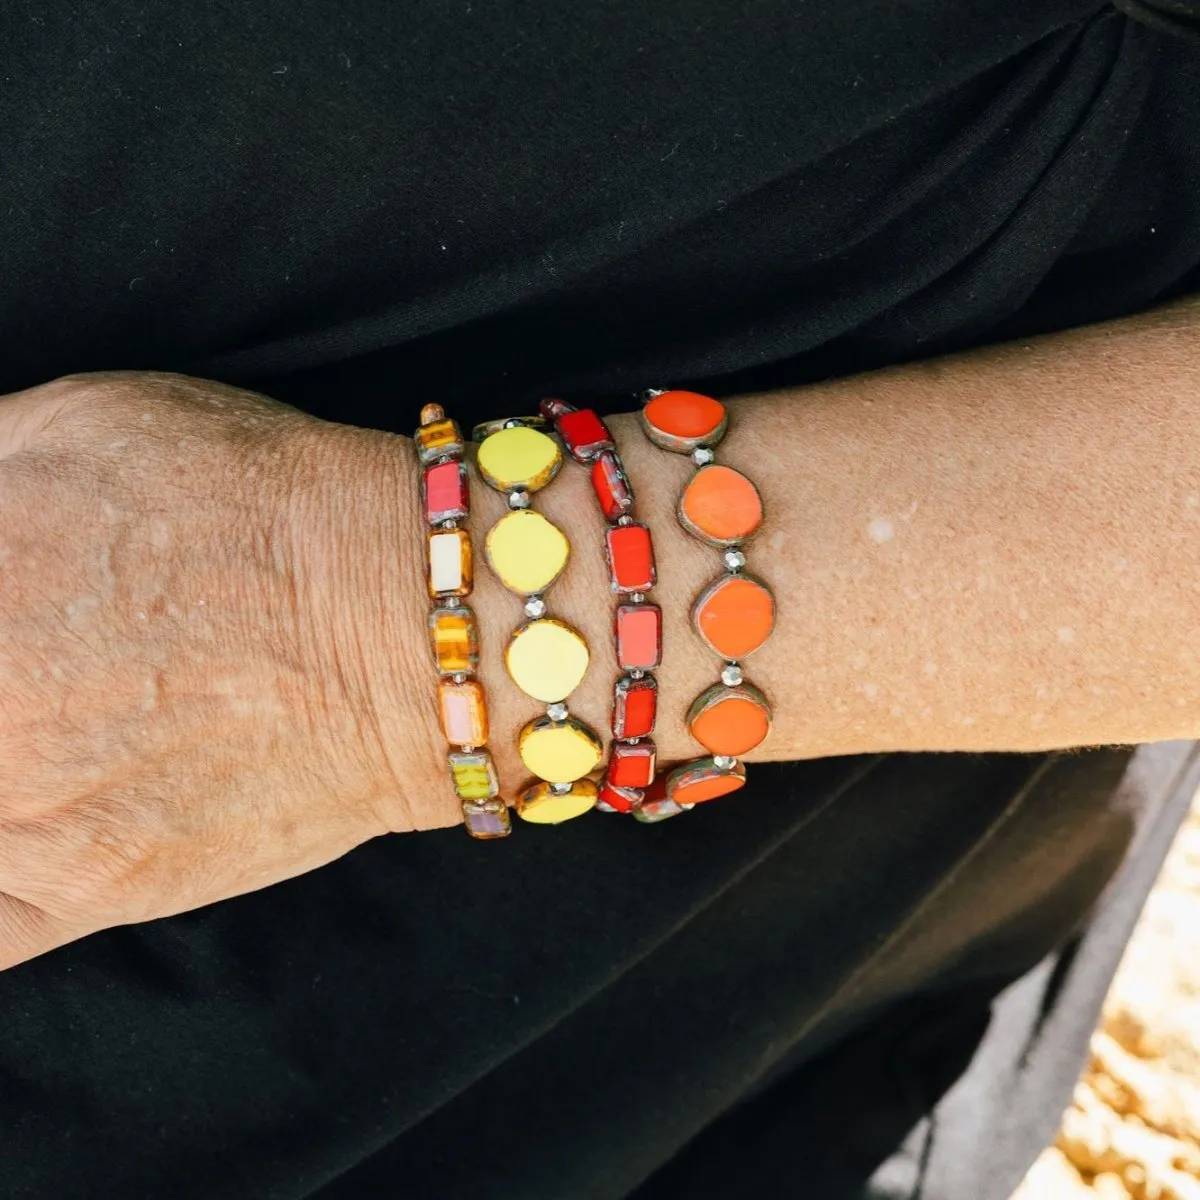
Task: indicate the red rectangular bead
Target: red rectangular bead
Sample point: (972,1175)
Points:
(630,558)
(631,764)
(635,707)
(445,493)
(583,434)
(622,800)
(612,488)
(638,636)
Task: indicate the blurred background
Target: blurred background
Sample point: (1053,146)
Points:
(1133,1131)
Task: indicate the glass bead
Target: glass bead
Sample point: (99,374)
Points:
(701,780)
(438,439)
(542,805)
(635,707)
(631,764)
(463,711)
(730,721)
(486,819)
(526,551)
(455,640)
(720,506)
(559,751)
(734,615)
(584,434)
(619,800)
(630,553)
(445,494)
(547,659)
(473,774)
(638,634)
(551,408)
(449,563)
(519,457)
(485,429)
(682,421)
(611,485)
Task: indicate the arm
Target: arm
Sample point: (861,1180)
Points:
(994,551)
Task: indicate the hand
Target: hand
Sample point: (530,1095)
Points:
(193,702)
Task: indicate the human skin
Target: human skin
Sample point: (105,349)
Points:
(214,670)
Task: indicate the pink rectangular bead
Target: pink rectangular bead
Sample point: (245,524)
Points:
(445,494)
(638,636)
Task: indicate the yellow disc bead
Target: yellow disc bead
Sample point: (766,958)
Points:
(526,551)
(559,751)
(542,806)
(547,659)
(519,458)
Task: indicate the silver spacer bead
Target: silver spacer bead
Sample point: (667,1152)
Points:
(734,561)
(459,677)
(519,498)
(724,762)
(449,524)
(636,597)
(452,602)
(557,712)
(466,749)
(512,423)
(560,789)
(637,673)
(731,675)
(625,519)
(648,394)
(535,607)
(702,456)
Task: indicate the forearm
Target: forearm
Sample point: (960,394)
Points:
(995,551)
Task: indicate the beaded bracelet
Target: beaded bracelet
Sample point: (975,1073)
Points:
(734,615)
(446,501)
(637,625)
(545,657)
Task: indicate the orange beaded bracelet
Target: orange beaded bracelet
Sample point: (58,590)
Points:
(734,615)
(462,708)
(637,625)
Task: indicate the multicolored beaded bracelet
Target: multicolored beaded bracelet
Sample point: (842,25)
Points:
(734,615)
(637,624)
(545,657)
(446,501)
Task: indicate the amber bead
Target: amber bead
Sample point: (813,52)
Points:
(454,640)
(438,439)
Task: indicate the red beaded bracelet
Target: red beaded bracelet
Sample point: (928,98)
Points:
(734,615)
(637,624)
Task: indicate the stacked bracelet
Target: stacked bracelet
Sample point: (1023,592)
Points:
(445,498)
(637,625)
(546,657)
(734,615)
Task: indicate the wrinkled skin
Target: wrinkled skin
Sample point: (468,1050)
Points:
(189,629)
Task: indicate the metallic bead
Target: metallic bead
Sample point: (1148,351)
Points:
(734,560)
(557,711)
(731,675)
(648,394)
(561,789)
(519,498)
(724,761)
(535,607)
(702,456)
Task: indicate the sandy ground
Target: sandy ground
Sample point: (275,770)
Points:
(1133,1131)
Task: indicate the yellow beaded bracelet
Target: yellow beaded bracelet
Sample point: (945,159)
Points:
(545,657)
(446,501)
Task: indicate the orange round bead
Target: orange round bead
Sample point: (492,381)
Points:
(696,782)
(730,721)
(734,616)
(682,421)
(720,506)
